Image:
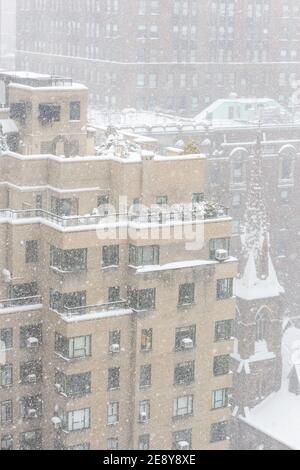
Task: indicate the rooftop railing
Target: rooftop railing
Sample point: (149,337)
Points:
(148,217)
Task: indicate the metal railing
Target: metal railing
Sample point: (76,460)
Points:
(156,217)
(86,309)
(21,302)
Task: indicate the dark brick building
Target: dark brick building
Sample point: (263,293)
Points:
(174,55)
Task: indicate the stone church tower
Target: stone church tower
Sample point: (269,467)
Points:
(257,357)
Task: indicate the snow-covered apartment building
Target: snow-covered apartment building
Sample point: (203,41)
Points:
(110,338)
(151,54)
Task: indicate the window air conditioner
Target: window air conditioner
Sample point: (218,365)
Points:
(32,413)
(183,445)
(32,343)
(114,348)
(56,421)
(221,255)
(187,343)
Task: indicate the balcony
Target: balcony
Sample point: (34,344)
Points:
(21,302)
(71,312)
(208,212)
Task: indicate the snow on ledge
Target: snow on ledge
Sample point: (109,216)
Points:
(180,265)
(96,315)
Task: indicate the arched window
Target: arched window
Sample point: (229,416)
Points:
(261,326)
(287,158)
(238,166)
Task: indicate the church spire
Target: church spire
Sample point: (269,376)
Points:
(258,277)
(256,239)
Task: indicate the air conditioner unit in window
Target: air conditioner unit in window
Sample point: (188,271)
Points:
(32,343)
(183,445)
(143,417)
(221,255)
(32,413)
(114,348)
(187,343)
(56,421)
(31,378)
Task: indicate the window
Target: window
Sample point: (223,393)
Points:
(114,339)
(76,385)
(31,372)
(64,207)
(182,440)
(144,413)
(238,172)
(220,398)
(146,340)
(31,407)
(286,168)
(224,289)
(184,373)
(31,335)
(7,442)
(6,339)
(142,299)
(49,113)
(221,365)
(113,443)
(75,111)
(114,294)
(285,196)
(114,378)
(145,376)
(183,406)
(47,148)
(77,420)
(39,201)
(25,292)
(6,408)
(224,330)
(68,261)
(31,251)
(143,255)
(144,442)
(102,201)
(162,200)
(110,256)
(236,200)
(197,198)
(261,326)
(31,440)
(185,338)
(218,244)
(113,413)
(186,294)
(73,348)
(65,303)
(219,431)
(6,375)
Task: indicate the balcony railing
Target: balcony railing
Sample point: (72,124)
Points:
(89,309)
(21,302)
(156,217)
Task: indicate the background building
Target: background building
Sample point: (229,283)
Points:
(7,34)
(170,55)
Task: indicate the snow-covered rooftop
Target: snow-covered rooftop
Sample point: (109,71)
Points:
(278,416)
(243,110)
(251,287)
